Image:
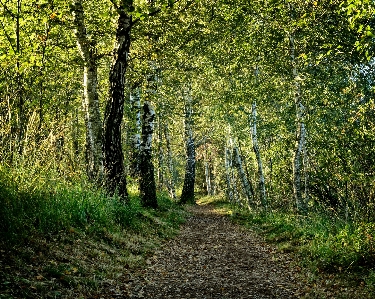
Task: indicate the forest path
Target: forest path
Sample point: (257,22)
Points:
(214,258)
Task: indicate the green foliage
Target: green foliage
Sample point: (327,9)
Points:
(370,280)
(74,236)
(324,242)
(350,248)
(59,206)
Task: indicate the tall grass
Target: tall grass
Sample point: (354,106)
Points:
(324,241)
(48,205)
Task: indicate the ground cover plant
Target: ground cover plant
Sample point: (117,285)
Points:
(68,241)
(332,251)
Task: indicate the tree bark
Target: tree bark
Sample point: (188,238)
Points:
(228,175)
(134,132)
(147,186)
(207,173)
(115,179)
(244,180)
(20,94)
(262,187)
(300,132)
(187,195)
(171,183)
(94,132)
(160,153)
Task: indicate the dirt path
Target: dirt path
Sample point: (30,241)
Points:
(214,258)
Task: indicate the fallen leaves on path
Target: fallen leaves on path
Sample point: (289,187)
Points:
(214,258)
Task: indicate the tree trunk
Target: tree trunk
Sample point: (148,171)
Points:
(171,183)
(187,195)
(134,132)
(207,173)
(262,187)
(160,153)
(306,168)
(300,201)
(300,132)
(228,174)
(147,185)
(20,95)
(115,180)
(94,133)
(241,172)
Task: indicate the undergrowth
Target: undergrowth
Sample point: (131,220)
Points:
(325,243)
(65,239)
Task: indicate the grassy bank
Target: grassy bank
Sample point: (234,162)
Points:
(61,239)
(324,244)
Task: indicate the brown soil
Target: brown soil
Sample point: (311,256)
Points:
(214,258)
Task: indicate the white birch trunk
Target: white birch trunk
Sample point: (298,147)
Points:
(306,170)
(241,172)
(148,127)
(135,131)
(171,183)
(228,174)
(207,172)
(262,186)
(94,133)
(160,154)
(300,132)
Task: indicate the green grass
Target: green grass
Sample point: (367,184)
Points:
(64,238)
(54,206)
(323,242)
(326,243)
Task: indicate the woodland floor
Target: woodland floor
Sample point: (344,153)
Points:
(211,257)
(214,258)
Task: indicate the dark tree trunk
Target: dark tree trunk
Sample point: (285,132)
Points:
(112,147)
(187,195)
(147,186)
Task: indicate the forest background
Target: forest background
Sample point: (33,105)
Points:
(106,107)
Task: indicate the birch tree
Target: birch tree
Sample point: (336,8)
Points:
(112,145)
(262,185)
(134,131)
(147,186)
(228,175)
(171,182)
(208,170)
(300,130)
(90,100)
(246,185)
(160,172)
(187,194)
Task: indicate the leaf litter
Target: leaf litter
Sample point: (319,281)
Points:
(210,258)
(214,258)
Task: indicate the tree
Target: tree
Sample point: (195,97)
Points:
(90,100)
(134,131)
(187,195)
(147,186)
(112,145)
